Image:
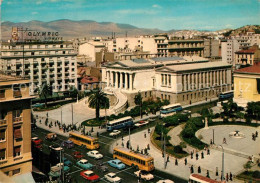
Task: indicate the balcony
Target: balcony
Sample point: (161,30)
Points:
(3,122)
(67,61)
(51,61)
(18,119)
(35,63)
(44,68)
(51,69)
(27,69)
(17,94)
(59,61)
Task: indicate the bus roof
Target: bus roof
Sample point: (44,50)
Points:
(200,178)
(171,105)
(120,119)
(231,91)
(83,136)
(141,156)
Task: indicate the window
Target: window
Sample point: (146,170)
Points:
(2,154)
(17,151)
(17,133)
(32,53)
(17,92)
(2,94)
(2,134)
(17,114)
(64,52)
(16,171)
(145,94)
(42,59)
(61,46)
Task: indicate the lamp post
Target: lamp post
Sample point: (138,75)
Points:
(222,172)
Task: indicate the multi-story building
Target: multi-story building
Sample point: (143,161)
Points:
(15,126)
(247,85)
(178,79)
(247,56)
(211,48)
(52,63)
(90,49)
(186,47)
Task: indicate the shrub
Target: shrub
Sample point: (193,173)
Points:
(178,149)
(256,174)
(217,115)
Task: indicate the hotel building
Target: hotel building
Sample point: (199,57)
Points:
(15,126)
(52,63)
(182,80)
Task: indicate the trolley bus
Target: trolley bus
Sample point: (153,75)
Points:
(170,109)
(196,178)
(226,95)
(130,158)
(120,123)
(88,141)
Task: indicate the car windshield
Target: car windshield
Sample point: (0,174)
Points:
(119,162)
(91,174)
(112,176)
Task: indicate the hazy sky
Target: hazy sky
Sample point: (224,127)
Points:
(162,14)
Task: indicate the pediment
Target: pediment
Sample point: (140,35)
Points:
(164,69)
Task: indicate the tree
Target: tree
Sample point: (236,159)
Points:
(139,101)
(240,115)
(247,166)
(73,92)
(96,99)
(206,113)
(44,91)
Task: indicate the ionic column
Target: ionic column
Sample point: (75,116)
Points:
(131,81)
(185,82)
(121,80)
(112,79)
(189,82)
(116,78)
(107,78)
(193,83)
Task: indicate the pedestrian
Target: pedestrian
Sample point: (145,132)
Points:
(162,154)
(97,134)
(191,155)
(202,155)
(227,177)
(144,135)
(256,134)
(191,169)
(148,146)
(176,162)
(122,137)
(185,161)
(148,130)
(230,176)
(197,156)
(211,142)
(208,151)
(199,169)
(224,141)
(208,174)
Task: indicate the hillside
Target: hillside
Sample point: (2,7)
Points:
(243,30)
(78,29)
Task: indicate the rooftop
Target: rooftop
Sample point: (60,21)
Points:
(247,51)
(255,69)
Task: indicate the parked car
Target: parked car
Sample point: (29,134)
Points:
(54,172)
(83,163)
(65,168)
(144,175)
(89,175)
(55,147)
(116,164)
(36,142)
(68,144)
(67,162)
(95,154)
(101,167)
(51,136)
(165,181)
(111,177)
(77,155)
(141,123)
(114,133)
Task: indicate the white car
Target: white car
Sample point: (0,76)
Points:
(55,147)
(141,123)
(95,154)
(114,133)
(165,181)
(144,175)
(111,177)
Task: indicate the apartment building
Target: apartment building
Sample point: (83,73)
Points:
(15,126)
(45,62)
(247,56)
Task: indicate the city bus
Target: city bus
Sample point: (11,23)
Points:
(130,158)
(196,178)
(169,110)
(88,141)
(120,123)
(226,95)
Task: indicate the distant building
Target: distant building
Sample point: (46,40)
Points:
(52,63)
(211,48)
(247,56)
(15,126)
(182,80)
(247,85)
(90,49)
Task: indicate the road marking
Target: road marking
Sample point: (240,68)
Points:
(106,137)
(123,170)
(74,172)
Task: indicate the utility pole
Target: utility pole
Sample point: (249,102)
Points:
(164,152)
(61,115)
(222,172)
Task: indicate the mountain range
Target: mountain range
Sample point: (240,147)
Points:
(79,29)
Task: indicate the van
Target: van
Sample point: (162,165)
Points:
(51,136)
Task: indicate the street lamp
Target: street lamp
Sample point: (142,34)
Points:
(222,172)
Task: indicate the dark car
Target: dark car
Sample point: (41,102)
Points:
(77,155)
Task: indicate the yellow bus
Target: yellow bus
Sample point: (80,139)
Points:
(88,141)
(129,157)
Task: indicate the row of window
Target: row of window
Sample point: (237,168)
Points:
(80,139)
(14,172)
(16,152)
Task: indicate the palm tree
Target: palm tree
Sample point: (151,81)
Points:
(44,91)
(98,99)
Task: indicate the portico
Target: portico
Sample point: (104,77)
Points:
(119,79)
